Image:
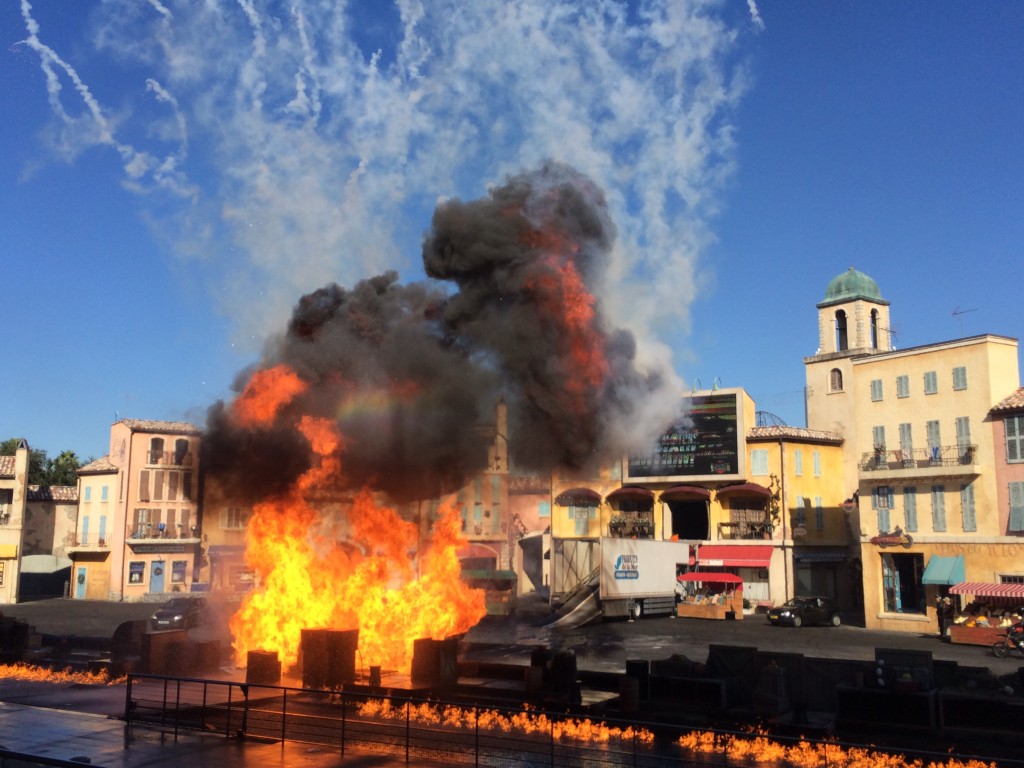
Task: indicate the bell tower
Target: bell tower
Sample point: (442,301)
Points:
(853,318)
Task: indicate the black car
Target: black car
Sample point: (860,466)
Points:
(180,613)
(806,610)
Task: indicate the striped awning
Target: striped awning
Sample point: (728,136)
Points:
(987,589)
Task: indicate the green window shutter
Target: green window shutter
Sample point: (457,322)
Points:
(1017,506)
(938,508)
(910,508)
(801,519)
(967,507)
(798,462)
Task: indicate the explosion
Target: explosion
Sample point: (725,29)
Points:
(372,399)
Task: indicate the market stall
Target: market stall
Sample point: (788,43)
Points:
(707,595)
(985,611)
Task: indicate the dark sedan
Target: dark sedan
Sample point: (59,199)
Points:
(180,613)
(806,610)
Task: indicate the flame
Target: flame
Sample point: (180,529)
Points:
(265,393)
(67,675)
(759,748)
(308,578)
(562,294)
(526,722)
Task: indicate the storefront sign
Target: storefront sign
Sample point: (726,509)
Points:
(152,549)
(895,539)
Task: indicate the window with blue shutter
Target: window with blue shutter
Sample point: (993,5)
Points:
(1016,506)
(103,492)
(967,507)
(938,508)
(759,462)
(798,462)
(801,517)
(1014,428)
(876,389)
(816,458)
(902,386)
(934,439)
(960,378)
(910,509)
(88,494)
(881,501)
(544,509)
(819,514)
(931,383)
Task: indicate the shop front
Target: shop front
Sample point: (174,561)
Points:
(983,611)
(706,595)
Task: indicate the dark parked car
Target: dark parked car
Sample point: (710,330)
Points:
(180,613)
(806,610)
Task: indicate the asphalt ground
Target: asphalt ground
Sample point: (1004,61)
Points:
(601,646)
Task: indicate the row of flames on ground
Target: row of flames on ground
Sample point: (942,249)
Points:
(755,747)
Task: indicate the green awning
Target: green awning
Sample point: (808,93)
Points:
(944,570)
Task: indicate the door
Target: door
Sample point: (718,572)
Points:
(156,580)
(80,582)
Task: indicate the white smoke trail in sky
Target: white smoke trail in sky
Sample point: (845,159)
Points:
(307,142)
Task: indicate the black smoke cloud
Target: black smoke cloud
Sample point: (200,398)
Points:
(408,371)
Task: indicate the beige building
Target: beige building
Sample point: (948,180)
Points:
(36,526)
(138,530)
(920,453)
(13,497)
(763,503)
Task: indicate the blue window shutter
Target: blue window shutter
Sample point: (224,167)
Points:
(1016,506)
(967,505)
(910,508)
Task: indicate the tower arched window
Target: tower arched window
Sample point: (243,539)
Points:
(874,329)
(835,380)
(842,342)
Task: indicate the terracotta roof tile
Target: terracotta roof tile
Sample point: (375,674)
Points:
(52,493)
(169,427)
(7,466)
(1012,403)
(793,433)
(97,467)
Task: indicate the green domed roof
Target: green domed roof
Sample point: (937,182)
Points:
(850,285)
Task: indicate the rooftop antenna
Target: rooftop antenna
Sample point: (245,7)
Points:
(957,312)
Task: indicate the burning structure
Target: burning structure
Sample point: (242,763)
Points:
(369,398)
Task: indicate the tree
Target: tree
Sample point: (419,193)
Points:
(63,470)
(43,471)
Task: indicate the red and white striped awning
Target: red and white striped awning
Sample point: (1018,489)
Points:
(986,589)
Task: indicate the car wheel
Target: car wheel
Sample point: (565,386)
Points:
(797,621)
(636,611)
(836,620)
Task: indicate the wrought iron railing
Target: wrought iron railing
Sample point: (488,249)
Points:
(918,458)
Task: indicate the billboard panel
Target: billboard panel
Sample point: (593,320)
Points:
(705,443)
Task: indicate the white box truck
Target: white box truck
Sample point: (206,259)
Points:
(638,576)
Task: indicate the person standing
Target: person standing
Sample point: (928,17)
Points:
(940,615)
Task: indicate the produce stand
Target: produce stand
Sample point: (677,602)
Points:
(721,597)
(985,618)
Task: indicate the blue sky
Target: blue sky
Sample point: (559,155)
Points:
(173,179)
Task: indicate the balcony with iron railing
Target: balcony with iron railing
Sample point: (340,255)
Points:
(171,458)
(745,530)
(921,462)
(162,532)
(89,542)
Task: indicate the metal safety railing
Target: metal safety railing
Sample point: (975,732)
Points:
(421,730)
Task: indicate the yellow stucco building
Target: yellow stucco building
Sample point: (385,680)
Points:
(919,456)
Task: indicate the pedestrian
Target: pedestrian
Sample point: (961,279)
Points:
(940,615)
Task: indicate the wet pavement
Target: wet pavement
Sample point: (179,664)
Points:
(81,722)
